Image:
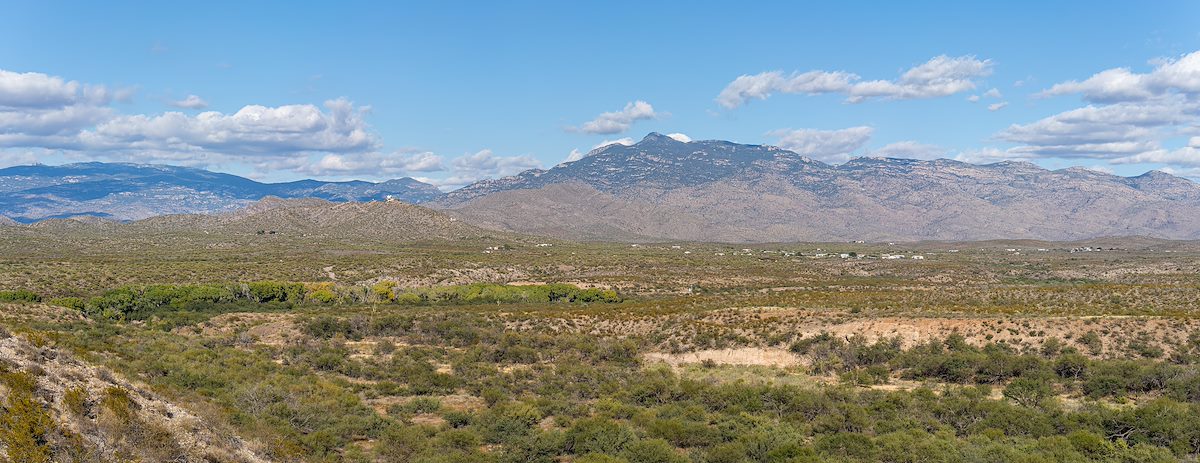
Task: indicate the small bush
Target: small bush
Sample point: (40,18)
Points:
(118,402)
(75,303)
(1092,342)
(25,425)
(75,401)
(1028,391)
(19,295)
(325,327)
(423,405)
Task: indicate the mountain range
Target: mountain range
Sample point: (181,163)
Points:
(664,189)
(135,191)
(661,188)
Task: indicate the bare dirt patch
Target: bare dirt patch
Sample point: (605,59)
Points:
(40,313)
(273,329)
(735,356)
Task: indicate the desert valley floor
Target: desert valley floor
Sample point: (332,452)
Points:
(234,343)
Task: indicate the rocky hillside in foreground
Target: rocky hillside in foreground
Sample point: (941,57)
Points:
(136,191)
(661,188)
(84,412)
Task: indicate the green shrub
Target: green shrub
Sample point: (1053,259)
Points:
(75,401)
(1071,366)
(401,444)
(1092,342)
(409,299)
(117,401)
(383,290)
(274,291)
(598,435)
(25,425)
(850,445)
(19,295)
(325,327)
(600,458)
(1028,391)
(74,303)
(322,296)
(1090,444)
(457,418)
(652,451)
(423,405)
(509,421)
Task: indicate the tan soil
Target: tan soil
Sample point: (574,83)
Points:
(738,356)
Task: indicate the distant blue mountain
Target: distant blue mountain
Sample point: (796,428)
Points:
(134,191)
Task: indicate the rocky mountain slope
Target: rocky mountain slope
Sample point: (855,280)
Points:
(661,188)
(137,191)
(387,220)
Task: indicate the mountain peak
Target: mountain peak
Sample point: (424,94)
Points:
(1156,174)
(655,138)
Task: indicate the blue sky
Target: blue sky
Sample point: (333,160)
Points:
(453,92)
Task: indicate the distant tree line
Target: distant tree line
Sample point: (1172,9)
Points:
(142,302)
(492,293)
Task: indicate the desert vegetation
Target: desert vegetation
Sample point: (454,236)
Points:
(599,353)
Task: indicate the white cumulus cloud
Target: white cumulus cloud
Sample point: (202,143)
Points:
(620,141)
(36,90)
(763,85)
(1180,75)
(1189,172)
(1131,118)
(191,102)
(486,164)
(824,145)
(1105,131)
(990,155)
(34,105)
(618,121)
(252,130)
(1186,156)
(18,157)
(910,150)
(40,113)
(940,76)
(44,112)
(575,155)
(374,164)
